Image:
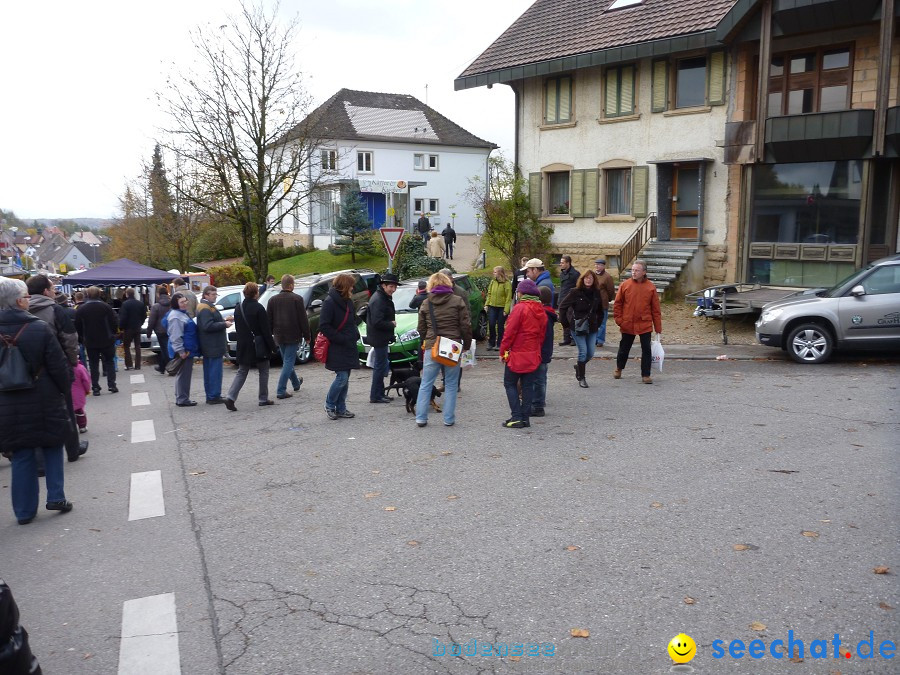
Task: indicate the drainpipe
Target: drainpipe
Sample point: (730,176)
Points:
(884,75)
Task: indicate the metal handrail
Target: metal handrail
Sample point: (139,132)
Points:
(630,249)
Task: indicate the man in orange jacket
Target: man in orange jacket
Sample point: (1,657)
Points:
(636,311)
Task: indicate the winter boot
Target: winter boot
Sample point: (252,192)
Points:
(582,382)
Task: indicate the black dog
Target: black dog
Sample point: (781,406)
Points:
(411,394)
(399,376)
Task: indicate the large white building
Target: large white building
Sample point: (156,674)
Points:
(407,159)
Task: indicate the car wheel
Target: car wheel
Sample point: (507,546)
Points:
(810,343)
(482,329)
(304,354)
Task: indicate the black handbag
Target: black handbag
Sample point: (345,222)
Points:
(259,342)
(15,374)
(583,325)
(175,365)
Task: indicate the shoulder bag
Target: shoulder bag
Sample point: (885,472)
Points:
(583,325)
(174,366)
(445,351)
(320,348)
(259,342)
(14,371)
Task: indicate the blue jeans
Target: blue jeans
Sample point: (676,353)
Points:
(601,333)
(212,376)
(25,489)
(288,359)
(380,370)
(430,371)
(539,398)
(586,345)
(336,399)
(496,321)
(519,410)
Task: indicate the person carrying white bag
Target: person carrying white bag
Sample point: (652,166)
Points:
(657,353)
(637,313)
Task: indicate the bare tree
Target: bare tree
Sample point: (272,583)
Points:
(237,119)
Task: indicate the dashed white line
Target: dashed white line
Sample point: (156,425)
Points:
(146,496)
(137,379)
(140,398)
(149,637)
(142,431)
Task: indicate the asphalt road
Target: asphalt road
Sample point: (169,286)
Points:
(729,501)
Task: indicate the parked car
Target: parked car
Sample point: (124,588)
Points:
(228,298)
(313,288)
(860,312)
(405,347)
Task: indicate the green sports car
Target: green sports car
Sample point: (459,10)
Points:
(405,347)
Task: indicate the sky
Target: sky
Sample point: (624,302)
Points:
(79,81)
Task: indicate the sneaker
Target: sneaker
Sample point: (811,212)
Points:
(65,506)
(299,382)
(96,392)
(346,415)
(449,424)
(215,401)
(114,389)
(515,424)
(82,430)
(422,424)
(332,415)
(537,412)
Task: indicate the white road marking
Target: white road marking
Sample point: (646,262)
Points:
(137,379)
(146,496)
(142,431)
(149,637)
(140,398)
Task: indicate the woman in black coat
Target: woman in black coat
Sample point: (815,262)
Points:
(583,301)
(33,418)
(250,322)
(338,323)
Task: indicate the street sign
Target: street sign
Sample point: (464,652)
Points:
(391,237)
(391,211)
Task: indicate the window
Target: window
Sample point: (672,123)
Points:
(810,81)
(883,280)
(618,191)
(418,205)
(423,162)
(558,192)
(433,206)
(558,100)
(619,91)
(329,160)
(690,82)
(364,161)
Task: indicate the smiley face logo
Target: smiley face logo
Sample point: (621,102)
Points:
(682,648)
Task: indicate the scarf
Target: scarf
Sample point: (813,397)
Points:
(441,290)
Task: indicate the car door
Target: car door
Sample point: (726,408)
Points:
(314,309)
(873,317)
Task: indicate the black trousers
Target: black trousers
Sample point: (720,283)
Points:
(163,358)
(130,337)
(73,441)
(95,354)
(625,349)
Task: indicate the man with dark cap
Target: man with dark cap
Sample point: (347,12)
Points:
(607,295)
(568,275)
(380,325)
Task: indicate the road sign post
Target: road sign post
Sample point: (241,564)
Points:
(391,237)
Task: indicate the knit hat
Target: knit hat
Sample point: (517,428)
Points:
(527,287)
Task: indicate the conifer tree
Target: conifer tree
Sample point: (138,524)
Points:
(353,228)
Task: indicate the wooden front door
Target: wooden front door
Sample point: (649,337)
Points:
(686,202)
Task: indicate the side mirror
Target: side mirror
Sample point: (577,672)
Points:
(316,304)
(857,291)
(219,307)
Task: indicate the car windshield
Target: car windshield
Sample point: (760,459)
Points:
(402,297)
(839,288)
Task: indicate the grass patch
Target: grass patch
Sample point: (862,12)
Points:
(493,257)
(323,261)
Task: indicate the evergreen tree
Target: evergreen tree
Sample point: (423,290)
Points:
(353,228)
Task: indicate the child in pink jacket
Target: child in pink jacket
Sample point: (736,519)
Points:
(81,385)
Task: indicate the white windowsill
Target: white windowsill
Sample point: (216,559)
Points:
(551,127)
(696,110)
(557,218)
(615,219)
(614,120)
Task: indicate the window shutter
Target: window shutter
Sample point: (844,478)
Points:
(660,86)
(550,107)
(576,207)
(610,108)
(534,192)
(640,182)
(591,177)
(715,94)
(565,99)
(626,107)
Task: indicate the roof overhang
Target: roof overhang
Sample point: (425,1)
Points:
(662,47)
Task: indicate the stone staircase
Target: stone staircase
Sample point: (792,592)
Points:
(665,261)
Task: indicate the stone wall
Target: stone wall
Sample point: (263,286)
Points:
(717,269)
(584,254)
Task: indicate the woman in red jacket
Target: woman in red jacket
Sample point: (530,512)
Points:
(521,351)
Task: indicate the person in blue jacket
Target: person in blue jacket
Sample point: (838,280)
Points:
(183,344)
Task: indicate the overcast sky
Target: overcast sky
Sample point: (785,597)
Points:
(79,113)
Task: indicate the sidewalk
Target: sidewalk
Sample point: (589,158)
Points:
(466,252)
(688,352)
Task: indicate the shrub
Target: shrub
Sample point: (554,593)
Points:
(412,261)
(282,252)
(230,275)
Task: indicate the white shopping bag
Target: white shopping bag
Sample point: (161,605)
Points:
(657,353)
(370,359)
(467,360)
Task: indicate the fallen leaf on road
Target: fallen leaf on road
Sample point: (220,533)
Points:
(376,471)
(882,569)
(412,542)
(756,625)
(452,496)
(783,471)
(584,458)
(390,508)
(850,430)
(515,658)
(688,600)
(572,548)
(87,656)
(809,533)
(656,505)
(741,547)
(446,452)
(197,473)
(580,632)
(768,448)
(884,605)
(369,495)
(610,436)
(824,521)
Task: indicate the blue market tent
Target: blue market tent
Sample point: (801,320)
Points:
(118,273)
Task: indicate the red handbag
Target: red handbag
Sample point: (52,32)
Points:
(320,348)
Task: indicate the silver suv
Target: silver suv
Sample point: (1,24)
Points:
(861,312)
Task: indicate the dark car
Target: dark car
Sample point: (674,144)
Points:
(313,288)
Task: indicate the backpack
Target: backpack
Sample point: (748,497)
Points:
(15,374)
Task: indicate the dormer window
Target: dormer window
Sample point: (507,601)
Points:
(621,4)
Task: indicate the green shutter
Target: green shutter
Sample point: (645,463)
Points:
(626,105)
(640,183)
(534,192)
(715,93)
(590,193)
(576,207)
(660,86)
(611,107)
